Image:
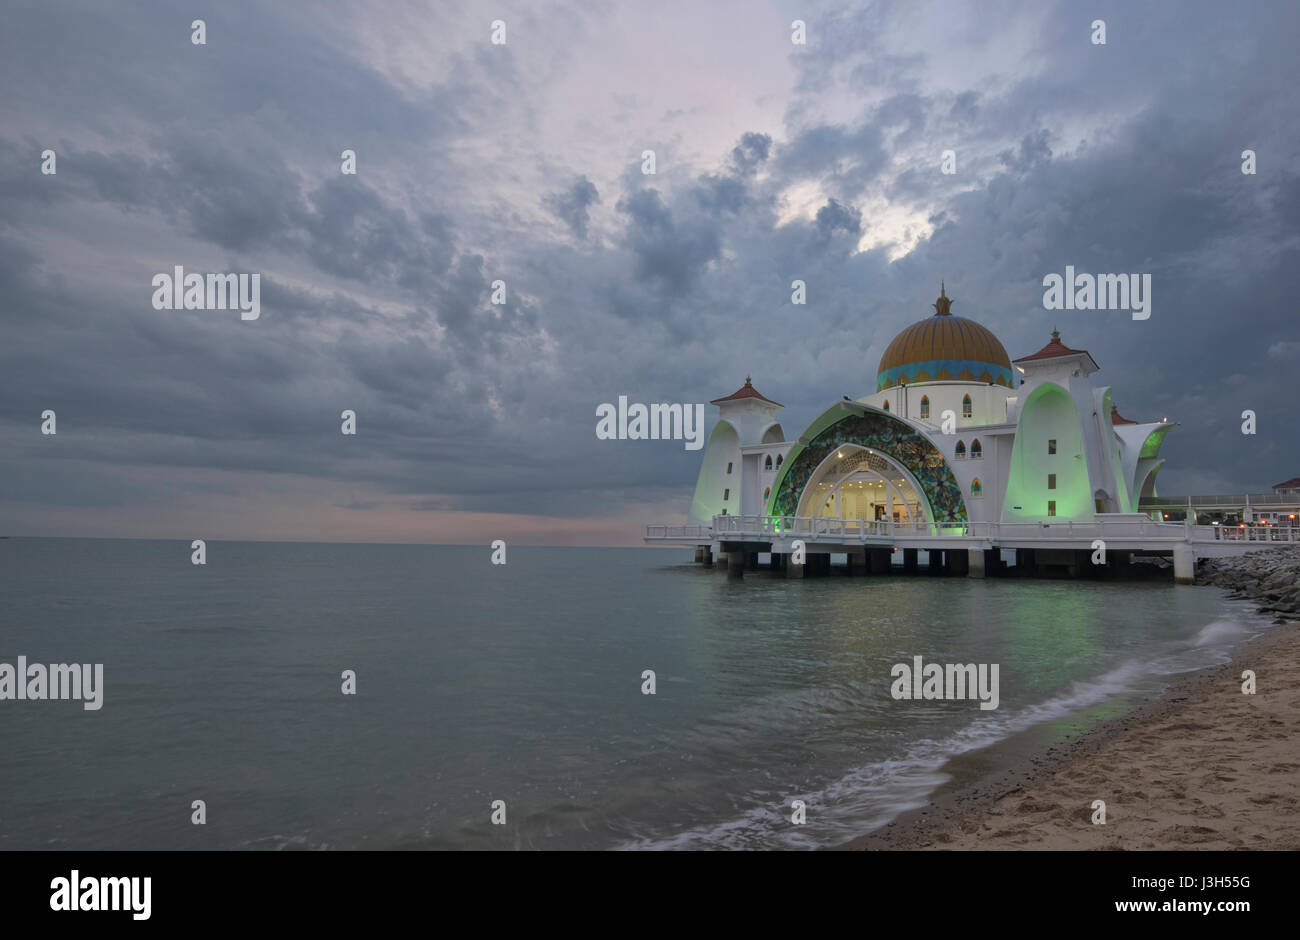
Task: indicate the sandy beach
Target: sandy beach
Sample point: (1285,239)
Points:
(1203,767)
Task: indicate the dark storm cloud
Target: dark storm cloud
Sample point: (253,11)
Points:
(571,205)
(853,156)
(671,253)
(376,288)
(721,194)
(1033,150)
(965,107)
(833,217)
(751,153)
(355,234)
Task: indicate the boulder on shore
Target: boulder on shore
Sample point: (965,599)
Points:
(1270,576)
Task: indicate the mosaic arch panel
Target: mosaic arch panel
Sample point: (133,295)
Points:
(891,437)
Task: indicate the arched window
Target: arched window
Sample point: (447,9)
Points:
(975,488)
(779,458)
(925,406)
(976,451)
(965,406)
(885,405)
(767,463)
(961,450)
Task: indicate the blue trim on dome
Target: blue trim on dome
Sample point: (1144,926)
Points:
(954,367)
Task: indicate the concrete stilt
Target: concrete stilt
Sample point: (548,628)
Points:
(1184,564)
(706,556)
(792,570)
(858,562)
(735,564)
(909,560)
(699,554)
(974,563)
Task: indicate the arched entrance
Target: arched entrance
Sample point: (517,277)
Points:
(901,446)
(857,482)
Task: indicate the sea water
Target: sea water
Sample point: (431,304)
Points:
(523,683)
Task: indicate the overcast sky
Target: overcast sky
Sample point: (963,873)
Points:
(522,162)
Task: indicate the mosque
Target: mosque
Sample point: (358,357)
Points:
(954,433)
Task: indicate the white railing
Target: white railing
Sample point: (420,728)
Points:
(1248,533)
(702,532)
(1232,500)
(831,527)
(1114,527)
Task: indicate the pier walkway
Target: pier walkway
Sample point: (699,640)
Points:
(1073,545)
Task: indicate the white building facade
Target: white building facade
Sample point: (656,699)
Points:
(955,432)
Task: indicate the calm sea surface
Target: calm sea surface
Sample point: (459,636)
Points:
(523,683)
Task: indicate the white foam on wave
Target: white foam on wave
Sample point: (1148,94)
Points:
(869,797)
(1226,630)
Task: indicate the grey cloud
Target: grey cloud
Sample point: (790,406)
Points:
(752,151)
(1033,150)
(847,157)
(571,205)
(721,194)
(671,254)
(833,217)
(375,294)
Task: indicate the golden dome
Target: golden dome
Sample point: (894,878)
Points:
(944,348)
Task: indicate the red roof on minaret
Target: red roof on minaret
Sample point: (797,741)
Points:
(1294,481)
(1053,349)
(1117,418)
(745,391)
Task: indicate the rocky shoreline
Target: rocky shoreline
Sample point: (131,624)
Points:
(1269,576)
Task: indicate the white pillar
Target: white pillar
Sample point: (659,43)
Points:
(975,563)
(1184,564)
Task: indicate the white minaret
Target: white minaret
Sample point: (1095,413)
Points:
(729,480)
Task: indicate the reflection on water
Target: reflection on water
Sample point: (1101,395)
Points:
(523,683)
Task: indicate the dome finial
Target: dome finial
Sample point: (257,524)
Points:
(1056,335)
(748,383)
(942,306)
